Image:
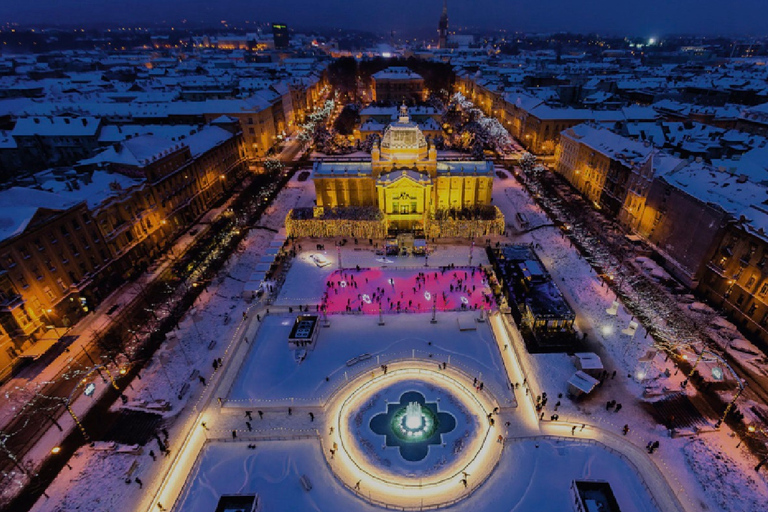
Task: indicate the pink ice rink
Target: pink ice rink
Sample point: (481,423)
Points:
(413,290)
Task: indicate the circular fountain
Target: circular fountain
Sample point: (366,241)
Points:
(410,434)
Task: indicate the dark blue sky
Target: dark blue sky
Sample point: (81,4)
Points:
(637,17)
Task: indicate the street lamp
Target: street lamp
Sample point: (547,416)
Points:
(55,451)
(750,430)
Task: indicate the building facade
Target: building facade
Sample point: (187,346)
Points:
(398,84)
(405,181)
(63,251)
(736,277)
(612,172)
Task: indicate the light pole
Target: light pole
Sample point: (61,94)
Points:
(434,310)
(751,430)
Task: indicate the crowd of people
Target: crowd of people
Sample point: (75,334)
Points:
(373,290)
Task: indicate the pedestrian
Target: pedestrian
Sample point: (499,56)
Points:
(474,383)
(333,452)
(608,404)
(330,431)
(215,365)
(557,404)
(261,415)
(311,416)
(582,426)
(500,439)
(625,429)
(248,424)
(201,379)
(234,434)
(654,446)
(357,485)
(245,315)
(258,318)
(481,386)
(161,507)
(618,407)
(573,430)
(152,454)
(138,481)
(464,481)
(203,424)
(541,418)
(648,446)
(248,415)
(289,411)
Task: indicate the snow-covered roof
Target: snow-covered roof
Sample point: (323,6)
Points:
(330,168)
(393,176)
(610,144)
(56,127)
(18,206)
(397,73)
(206,139)
(97,188)
(462,167)
(136,152)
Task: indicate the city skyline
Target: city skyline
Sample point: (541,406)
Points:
(652,18)
(383,256)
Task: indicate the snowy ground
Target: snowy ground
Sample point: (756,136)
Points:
(532,475)
(271,375)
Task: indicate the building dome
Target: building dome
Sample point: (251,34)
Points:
(403,140)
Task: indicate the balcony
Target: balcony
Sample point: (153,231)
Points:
(10,303)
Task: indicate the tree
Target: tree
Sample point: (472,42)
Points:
(347,120)
(322,139)
(273,166)
(369,142)
(528,162)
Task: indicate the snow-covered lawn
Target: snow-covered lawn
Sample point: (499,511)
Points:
(270,373)
(532,475)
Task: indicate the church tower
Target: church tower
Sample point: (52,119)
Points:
(442,27)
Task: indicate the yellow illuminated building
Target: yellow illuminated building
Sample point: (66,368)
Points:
(406,181)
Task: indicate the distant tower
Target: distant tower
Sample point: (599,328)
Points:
(280,35)
(442,27)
